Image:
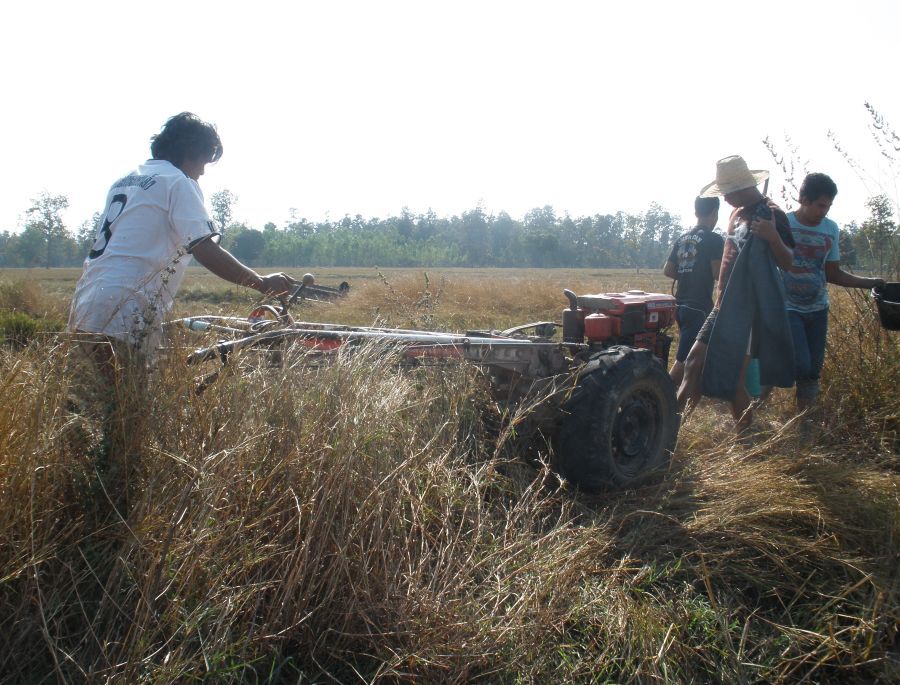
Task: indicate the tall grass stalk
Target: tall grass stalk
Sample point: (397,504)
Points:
(352,522)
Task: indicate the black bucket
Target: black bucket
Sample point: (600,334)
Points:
(887,298)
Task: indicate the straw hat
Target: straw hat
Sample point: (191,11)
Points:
(733,175)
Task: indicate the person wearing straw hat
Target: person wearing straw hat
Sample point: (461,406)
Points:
(816,262)
(749,317)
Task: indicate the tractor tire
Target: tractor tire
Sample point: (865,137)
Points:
(621,421)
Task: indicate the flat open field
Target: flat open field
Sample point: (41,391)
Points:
(458,298)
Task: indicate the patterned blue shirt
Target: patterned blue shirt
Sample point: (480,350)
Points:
(805,282)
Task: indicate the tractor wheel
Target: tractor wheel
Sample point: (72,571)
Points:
(620,422)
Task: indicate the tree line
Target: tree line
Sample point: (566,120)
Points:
(475,238)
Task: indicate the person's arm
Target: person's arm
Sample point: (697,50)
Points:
(729,256)
(716,268)
(834,274)
(195,231)
(670,269)
(224,265)
(766,230)
(717,249)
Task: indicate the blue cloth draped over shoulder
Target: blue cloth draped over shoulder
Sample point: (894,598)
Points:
(754,300)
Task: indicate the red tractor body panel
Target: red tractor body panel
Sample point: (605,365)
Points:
(634,318)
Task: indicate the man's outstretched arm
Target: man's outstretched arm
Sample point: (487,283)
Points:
(835,274)
(224,265)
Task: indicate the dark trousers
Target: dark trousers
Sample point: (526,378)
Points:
(689,319)
(809,331)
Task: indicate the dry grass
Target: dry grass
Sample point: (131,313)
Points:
(353,523)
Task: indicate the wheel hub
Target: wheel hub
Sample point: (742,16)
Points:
(635,429)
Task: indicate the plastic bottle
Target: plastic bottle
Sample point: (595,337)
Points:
(751,382)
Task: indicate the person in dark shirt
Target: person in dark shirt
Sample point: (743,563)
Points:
(694,265)
(755,215)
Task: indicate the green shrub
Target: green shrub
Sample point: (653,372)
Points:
(18,328)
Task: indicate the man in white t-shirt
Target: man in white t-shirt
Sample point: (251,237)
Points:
(154,222)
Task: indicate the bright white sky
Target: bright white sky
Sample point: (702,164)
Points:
(337,108)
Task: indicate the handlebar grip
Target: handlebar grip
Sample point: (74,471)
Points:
(196,324)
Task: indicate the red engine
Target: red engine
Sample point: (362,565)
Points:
(632,318)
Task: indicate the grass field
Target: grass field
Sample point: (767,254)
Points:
(352,523)
(459,297)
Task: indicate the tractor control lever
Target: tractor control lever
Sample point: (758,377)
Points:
(308,279)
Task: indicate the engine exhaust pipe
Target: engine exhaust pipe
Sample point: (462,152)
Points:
(573,321)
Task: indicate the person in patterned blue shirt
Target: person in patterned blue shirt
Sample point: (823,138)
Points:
(816,262)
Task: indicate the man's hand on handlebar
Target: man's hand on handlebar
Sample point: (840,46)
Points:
(277,285)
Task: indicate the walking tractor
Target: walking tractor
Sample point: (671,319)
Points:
(609,406)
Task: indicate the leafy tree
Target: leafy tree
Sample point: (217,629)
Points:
(474,236)
(426,226)
(44,220)
(541,220)
(9,252)
(31,247)
(659,229)
(541,240)
(405,223)
(604,240)
(301,227)
(505,240)
(86,234)
(880,233)
(223,202)
(847,243)
(248,245)
(632,236)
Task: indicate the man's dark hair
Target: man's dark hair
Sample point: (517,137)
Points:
(817,185)
(186,137)
(704,206)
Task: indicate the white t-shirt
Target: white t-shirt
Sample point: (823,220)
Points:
(153,217)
